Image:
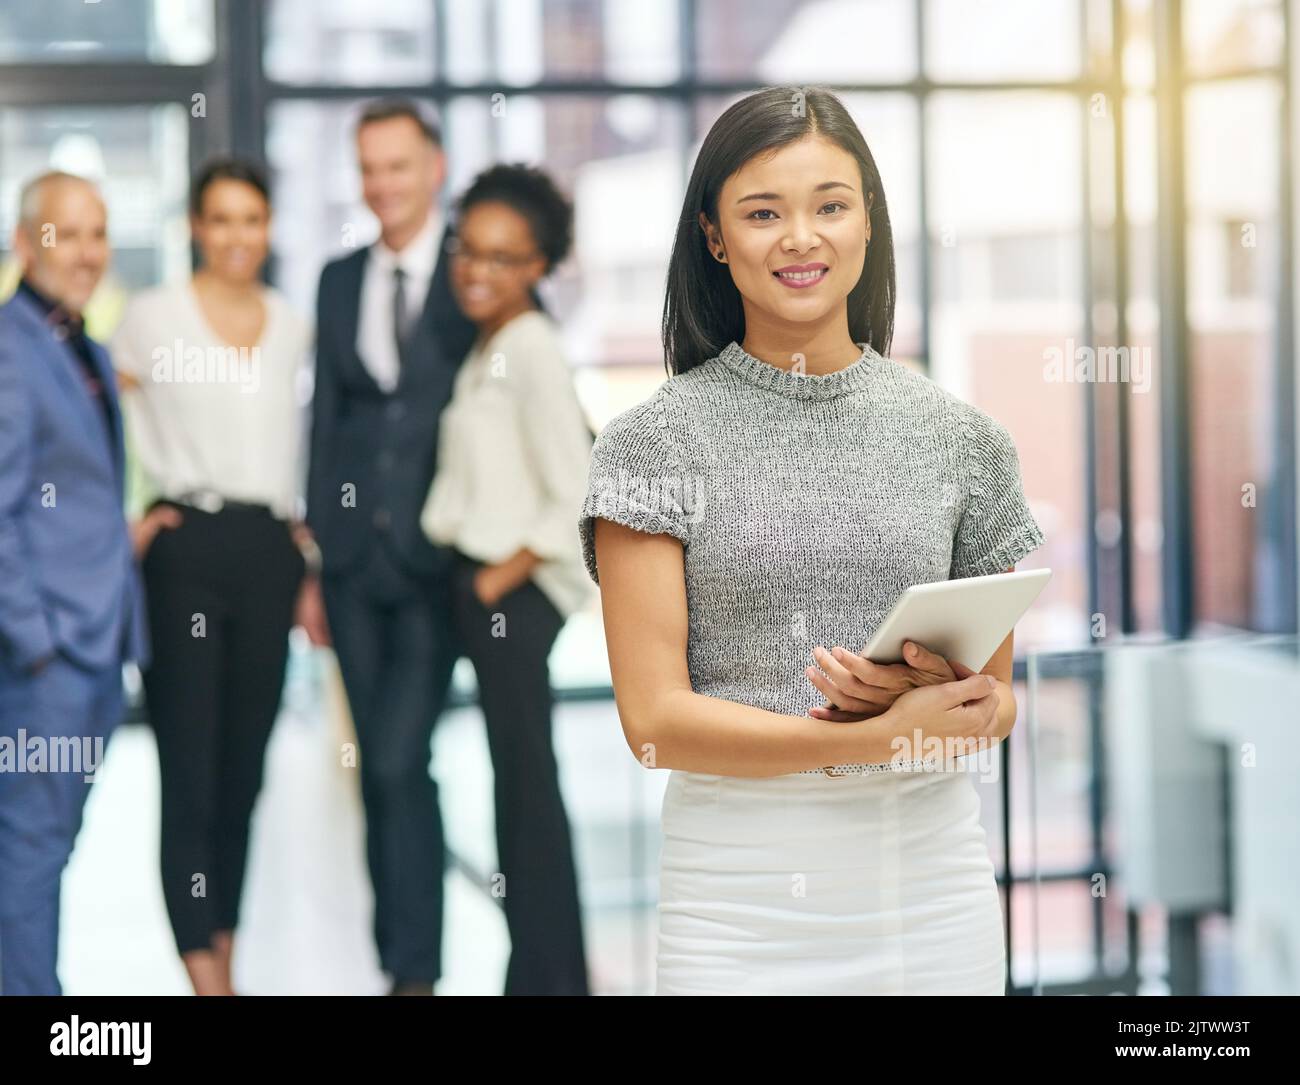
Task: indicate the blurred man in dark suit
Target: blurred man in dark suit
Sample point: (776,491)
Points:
(70,603)
(389,341)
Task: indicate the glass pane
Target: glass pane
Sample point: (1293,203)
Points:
(311,150)
(1144,336)
(1139,44)
(74,31)
(1004,178)
(1133,389)
(1100,37)
(1051,832)
(795,41)
(1002,40)
(1059,849)
(1232,169)
(345,43)
(523,41)
(139,157)
(1062,836)
(890,124)
(1196,844)
(1229,35)
(1105,396)
(1060,914)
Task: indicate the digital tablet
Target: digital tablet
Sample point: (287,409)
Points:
(963,620)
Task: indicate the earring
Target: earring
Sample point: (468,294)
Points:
(721,256)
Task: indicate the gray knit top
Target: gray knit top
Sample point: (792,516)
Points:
(806,505)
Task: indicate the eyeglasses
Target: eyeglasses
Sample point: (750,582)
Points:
(497,262)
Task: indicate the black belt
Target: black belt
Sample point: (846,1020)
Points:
(212,502)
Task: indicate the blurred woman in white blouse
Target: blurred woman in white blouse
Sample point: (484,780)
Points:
(210,369)
(511,477)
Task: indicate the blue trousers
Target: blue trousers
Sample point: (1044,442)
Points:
(393,636)
(54,727)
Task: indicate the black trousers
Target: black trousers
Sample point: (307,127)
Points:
(392,633)
(509,643)
(221,590)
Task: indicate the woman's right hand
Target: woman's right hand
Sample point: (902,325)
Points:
(145,530)
(951,716)
(309,612)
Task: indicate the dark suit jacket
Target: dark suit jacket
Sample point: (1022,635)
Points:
(68,578)
(373,454)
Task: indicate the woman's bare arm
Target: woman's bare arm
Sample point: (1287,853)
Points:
(667,724)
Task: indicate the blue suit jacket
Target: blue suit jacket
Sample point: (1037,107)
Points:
(68,579)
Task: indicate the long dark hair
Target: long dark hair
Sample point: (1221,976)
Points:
(702,307)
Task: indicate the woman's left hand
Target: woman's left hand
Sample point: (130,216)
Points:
(858,689)
(492,583)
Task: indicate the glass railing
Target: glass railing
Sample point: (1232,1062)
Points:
(1154,836)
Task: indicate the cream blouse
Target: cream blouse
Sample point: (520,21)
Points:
(513,453)
(207,416)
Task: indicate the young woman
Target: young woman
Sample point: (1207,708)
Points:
(769,502)
(512,469)
(209,368)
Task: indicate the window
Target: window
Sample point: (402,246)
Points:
(310,41)
(808,41)
(80,31)
(1005,240)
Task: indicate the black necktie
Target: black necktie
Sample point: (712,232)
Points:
(401,322)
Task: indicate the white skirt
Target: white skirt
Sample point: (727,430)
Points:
(811,884)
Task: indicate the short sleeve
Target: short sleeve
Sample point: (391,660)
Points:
(634,479)
(997,529)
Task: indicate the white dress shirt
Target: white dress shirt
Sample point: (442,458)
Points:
(206,417)
(376,337)
(513,452)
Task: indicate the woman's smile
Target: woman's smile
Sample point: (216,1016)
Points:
(801,276)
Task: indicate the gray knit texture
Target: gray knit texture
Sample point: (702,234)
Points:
(806,505)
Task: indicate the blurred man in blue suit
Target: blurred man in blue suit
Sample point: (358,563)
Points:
(70,605)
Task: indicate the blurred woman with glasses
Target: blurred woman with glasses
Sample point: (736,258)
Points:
(512,467)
